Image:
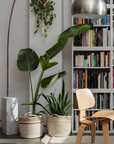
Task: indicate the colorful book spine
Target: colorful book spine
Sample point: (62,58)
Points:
(75,79)
(84,39)
(79,20)
(90,38)
(78,78)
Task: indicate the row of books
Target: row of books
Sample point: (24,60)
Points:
(94,37)
(99,59)
(76,122)
(100,21)
(102,101)
(83,78)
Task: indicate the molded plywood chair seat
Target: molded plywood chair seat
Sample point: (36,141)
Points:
(86,100)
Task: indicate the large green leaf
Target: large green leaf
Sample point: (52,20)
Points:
(63,39)
(52,52)
(27,60)
(52,81)
(47,80)
(46,64)
(75,30)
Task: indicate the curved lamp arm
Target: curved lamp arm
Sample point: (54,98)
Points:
(8,47)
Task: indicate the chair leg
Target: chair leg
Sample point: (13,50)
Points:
(105,127)
(93,131)
(80,133)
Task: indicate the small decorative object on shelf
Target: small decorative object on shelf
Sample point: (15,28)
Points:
(43,10)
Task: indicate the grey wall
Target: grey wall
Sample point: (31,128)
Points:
(19,38)
(40,45)
(67,51)
(22,23)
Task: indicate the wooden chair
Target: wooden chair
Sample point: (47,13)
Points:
(86,100)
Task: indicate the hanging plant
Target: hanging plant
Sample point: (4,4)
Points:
(43,10)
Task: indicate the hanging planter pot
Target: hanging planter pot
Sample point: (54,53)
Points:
(31,126)
(43,10)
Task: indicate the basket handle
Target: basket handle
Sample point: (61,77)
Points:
(55,115)
(30,114)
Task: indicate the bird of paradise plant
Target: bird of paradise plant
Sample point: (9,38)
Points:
(28,60)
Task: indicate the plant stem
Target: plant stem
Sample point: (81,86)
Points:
(30,77)
(34,108)
(38,85)
(31,86)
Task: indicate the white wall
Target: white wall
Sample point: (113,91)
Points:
(19,38)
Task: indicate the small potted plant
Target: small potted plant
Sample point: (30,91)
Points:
(44,15)
(31,125)
(58,120)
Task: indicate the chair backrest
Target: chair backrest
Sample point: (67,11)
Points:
(85,99)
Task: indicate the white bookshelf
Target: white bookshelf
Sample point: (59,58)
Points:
(98,91)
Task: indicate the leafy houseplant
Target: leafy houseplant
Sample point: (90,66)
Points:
(58,121)
(28,60)
(58,106)
(43,10)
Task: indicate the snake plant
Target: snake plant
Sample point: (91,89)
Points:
(60,105)
(28,60)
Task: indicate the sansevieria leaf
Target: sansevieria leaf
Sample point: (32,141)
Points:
(59,105)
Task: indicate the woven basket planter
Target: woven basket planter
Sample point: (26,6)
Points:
(31,127)
(59,126)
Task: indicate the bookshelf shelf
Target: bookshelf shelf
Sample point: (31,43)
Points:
(91,48)
(84,74)
(101,26)
(97,90)
(89,132)
(93,109)
(91,67)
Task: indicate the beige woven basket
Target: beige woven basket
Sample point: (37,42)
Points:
(59,126)
(31,126)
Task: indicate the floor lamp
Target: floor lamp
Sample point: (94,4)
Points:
(9,104)
(8,46)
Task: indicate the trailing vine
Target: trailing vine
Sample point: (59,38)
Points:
(43,10)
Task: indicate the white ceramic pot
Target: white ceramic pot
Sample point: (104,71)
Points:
(31,126)
(59,126)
